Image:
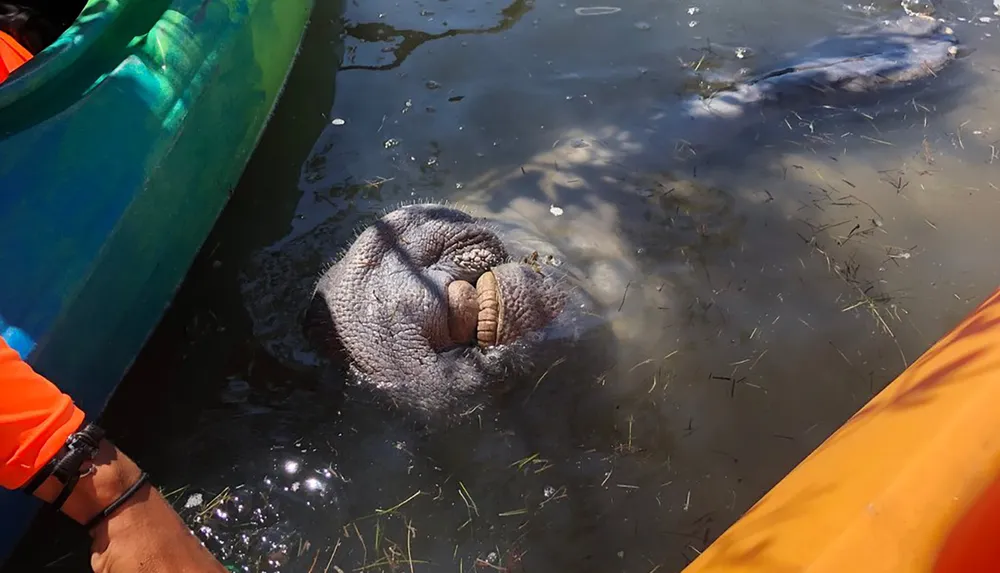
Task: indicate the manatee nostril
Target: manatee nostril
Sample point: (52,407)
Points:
(490,310)
(463,308)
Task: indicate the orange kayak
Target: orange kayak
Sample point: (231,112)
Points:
(909,484)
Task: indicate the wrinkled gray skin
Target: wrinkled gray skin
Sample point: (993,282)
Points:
(385,303)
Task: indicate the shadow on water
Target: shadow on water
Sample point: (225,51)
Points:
(757,290)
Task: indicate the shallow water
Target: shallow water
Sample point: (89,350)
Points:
(758,288)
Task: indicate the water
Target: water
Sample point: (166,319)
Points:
(759,288)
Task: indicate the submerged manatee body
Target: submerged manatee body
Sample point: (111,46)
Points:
(434,312)
(889,53)
(839,70)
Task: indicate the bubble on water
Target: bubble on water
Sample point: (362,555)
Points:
(432,85)
(314,484)
(556,211)
(549,491)
(596,10)
(492,557)
(692,23)
(459,186)
(432,161)
(250,525)
(194,501)
(693,10)
(579,143)
(743,52)
(390,143)
(643,25)
(338,121)
(291,467)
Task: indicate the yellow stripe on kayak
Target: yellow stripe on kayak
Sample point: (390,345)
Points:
(886,490)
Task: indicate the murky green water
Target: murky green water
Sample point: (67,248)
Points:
(760,288)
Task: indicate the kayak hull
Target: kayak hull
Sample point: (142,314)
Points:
(119,147)
(909,484)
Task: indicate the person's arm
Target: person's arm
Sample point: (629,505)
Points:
(144,534)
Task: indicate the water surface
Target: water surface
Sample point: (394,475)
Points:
(759,287)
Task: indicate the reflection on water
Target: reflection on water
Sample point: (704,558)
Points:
(402,42)
(757,288)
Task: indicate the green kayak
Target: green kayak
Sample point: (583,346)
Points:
(119,146)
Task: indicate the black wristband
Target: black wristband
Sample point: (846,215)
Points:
(107,511)
(80,447)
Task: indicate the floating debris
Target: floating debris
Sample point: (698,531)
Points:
(338,121)
(918,7)
(194,501)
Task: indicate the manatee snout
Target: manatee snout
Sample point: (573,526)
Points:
(433,312)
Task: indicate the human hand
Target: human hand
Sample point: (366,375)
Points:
(144,534)
(147,536)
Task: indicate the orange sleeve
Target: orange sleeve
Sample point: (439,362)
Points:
(35,419)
